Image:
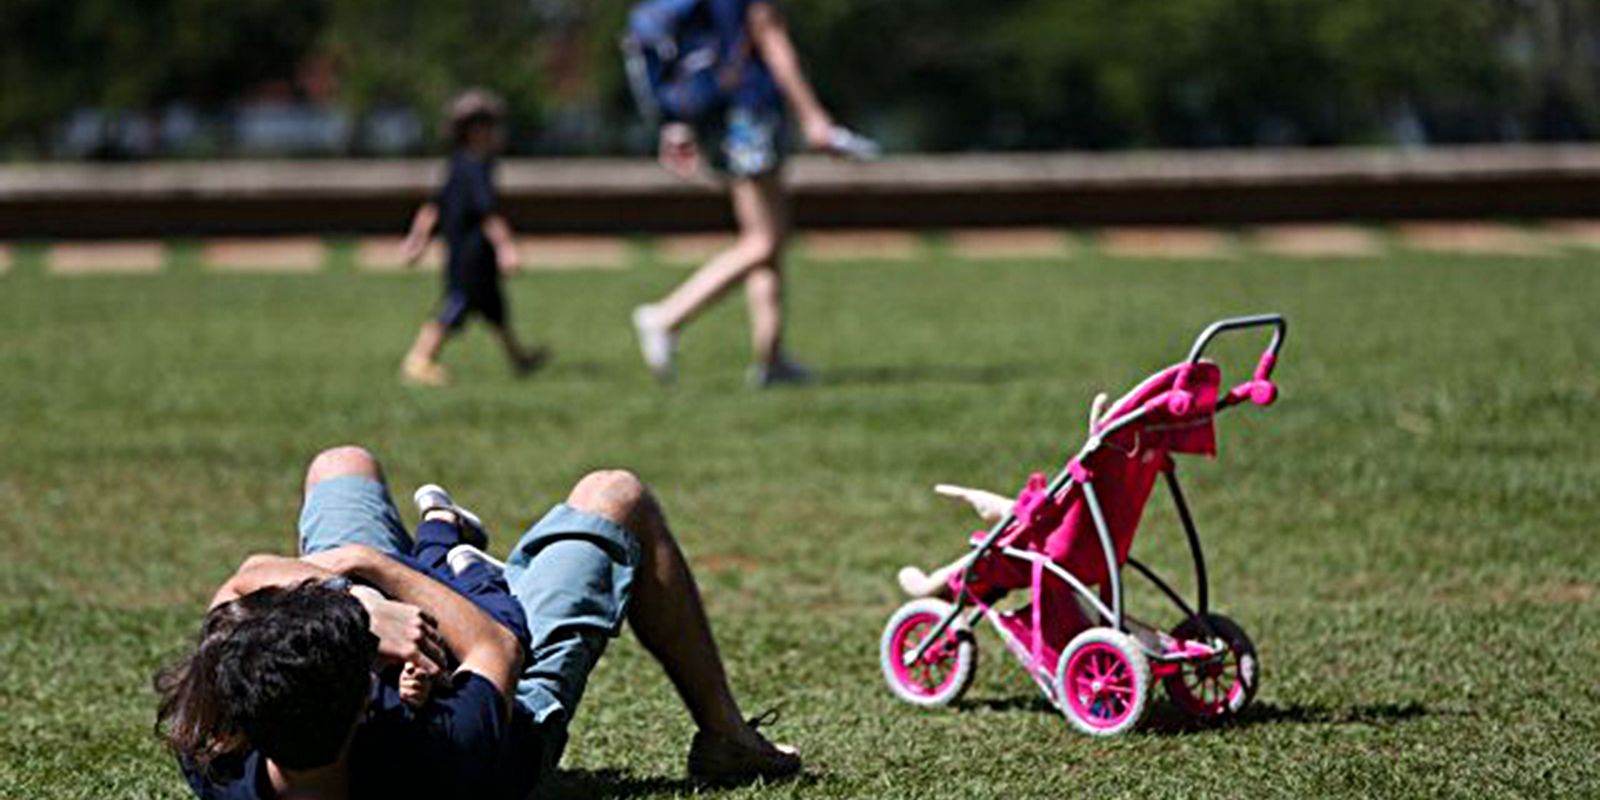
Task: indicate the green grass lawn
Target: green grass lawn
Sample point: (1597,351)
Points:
(1410,534)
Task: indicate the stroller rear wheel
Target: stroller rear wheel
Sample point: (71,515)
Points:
(1221,687)
(945,669)
(1103,682)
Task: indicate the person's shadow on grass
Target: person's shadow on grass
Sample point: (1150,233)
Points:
(907,374)
(573,784)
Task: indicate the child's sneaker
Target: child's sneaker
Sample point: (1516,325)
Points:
(422,372)
(528,362)
(782,372)
(463,557)
(433,497)
(656,344)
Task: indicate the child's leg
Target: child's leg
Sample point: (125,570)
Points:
(430,340)
(522,359)
(435,537)
(421,363)
(490,302)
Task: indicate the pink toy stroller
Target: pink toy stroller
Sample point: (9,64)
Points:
(1059,539)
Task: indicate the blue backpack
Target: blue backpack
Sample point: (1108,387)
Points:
(675,60)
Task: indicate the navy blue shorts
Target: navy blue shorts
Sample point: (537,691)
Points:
(461,302)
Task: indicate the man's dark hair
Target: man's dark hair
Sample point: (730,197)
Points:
(284,671)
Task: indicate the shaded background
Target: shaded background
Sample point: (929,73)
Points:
(131,79)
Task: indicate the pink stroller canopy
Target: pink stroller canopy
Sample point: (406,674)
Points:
(1179,404)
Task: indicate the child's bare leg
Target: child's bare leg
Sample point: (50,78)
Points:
(522,360)
(429,341)
(421,364)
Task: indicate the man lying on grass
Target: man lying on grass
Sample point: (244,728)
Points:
(279,697)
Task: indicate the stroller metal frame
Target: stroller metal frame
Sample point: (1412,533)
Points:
(1073,474)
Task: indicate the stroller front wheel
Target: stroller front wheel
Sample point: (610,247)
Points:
(1103,682)
(945,669)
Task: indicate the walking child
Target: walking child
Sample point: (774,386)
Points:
(478,238)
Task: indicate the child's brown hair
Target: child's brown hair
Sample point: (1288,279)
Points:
(471,108)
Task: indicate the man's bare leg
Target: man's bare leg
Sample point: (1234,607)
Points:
(339,462)
(666,612)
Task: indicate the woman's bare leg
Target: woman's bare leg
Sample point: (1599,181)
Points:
(760,206)
(763,289)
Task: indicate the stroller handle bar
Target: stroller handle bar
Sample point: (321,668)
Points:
(1259,389)
(1280,330)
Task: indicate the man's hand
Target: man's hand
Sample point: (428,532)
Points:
(679,152)
(990,506)
(406,634)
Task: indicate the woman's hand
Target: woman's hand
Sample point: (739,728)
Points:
(406,633)
(818,129)
(679,152)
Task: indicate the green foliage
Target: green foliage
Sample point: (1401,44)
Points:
(137,55)
(921,74)
(1408,535)
(417,54)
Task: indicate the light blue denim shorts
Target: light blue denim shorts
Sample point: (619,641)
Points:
(572,573)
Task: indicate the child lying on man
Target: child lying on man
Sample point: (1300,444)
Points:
(449,549)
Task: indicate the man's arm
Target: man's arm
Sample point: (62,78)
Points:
(484,647)
(405,633)
(771,37)
(261,570)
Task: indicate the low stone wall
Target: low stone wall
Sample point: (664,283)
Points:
(623,196)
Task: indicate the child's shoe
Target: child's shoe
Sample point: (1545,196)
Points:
(463,557)
(530,361)
(422,372)
(433,497)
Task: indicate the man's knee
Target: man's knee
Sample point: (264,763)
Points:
(337,462)
(615,494)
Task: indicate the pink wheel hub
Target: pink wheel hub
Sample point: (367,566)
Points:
(936,670)
(1100,685)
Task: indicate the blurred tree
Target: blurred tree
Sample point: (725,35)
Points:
(417,54)
(135,55)
(920,74)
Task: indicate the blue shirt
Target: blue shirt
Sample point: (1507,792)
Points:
(465,201)
(755,88)
(462,743)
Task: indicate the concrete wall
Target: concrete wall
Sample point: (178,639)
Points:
(625,196)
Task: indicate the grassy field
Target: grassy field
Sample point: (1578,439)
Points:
(1409,535)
